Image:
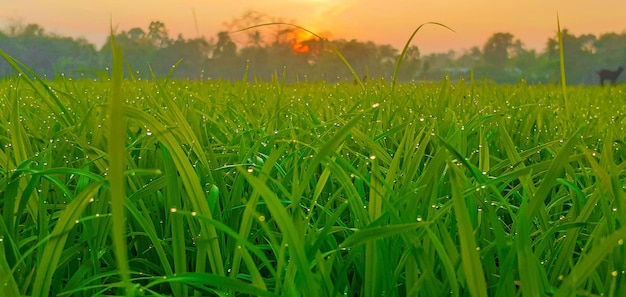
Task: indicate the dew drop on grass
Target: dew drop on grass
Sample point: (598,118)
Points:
(620,242)
(173,209)
(262,218)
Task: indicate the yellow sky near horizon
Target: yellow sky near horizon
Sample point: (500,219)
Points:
(384,22)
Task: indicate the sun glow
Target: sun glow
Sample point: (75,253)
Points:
(299,45)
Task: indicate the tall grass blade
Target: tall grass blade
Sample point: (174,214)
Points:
(531,273)
(549,179)
(174,201)
(190,182)
(116,158)
(294,239)
(9,287)
(49,259)
(587,266)
(406,47)
(562,67)
(470,259)
(209,283)
(372,280)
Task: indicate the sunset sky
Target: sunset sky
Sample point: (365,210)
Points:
(384,22)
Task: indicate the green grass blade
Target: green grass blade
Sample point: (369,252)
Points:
(472,266)
(174,201)
(554,172)
(562,67)
(10,287)
(190,181)
(590,261)
(531,274)
(116,158)
(372,280)
(53,249)
(372,234)
(406,47)
(206,282)
(292,236)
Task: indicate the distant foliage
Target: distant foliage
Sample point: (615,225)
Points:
(286,53)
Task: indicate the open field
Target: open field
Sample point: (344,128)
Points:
(267,189)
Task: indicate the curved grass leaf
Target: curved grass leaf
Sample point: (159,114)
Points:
(53,249)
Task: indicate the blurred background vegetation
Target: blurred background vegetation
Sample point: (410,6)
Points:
(281,51)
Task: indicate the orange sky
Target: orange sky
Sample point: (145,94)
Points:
(385,22)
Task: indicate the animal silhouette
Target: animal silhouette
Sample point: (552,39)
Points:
(611,75)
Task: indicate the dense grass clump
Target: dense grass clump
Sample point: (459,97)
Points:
(266,189)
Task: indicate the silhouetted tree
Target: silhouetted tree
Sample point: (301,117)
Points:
(225,47)
(46,54)
(136,34)
(411,64)
(256,36)
(158,34)
(270,50)
(610,50)
(496,49)
(579,58)
(193,53)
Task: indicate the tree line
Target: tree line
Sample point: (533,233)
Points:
(287,53)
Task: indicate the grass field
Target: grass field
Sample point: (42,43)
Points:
(175,188)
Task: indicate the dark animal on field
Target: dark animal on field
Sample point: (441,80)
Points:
(611,75)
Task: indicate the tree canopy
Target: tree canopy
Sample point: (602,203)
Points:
(283,51)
